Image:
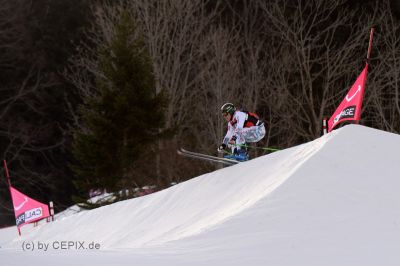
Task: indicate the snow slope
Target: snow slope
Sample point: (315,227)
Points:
(332,201)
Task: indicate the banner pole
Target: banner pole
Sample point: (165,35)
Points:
(7,173)
(361,84)
(371,34)
(9,187)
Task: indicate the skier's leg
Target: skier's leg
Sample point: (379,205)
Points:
(254,133)
(241,150)
(239,153)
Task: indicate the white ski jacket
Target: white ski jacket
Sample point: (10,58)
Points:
(236,123)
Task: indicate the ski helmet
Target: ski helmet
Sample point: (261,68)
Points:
(228,108)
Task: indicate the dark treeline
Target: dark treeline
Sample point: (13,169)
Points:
(291,61)
(36,40)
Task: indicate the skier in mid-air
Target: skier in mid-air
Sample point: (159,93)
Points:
(243,127)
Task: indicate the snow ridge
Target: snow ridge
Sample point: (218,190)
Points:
(332,201)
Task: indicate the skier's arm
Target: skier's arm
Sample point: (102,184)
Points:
(240,118)
(228,135)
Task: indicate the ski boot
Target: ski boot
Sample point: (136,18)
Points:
(238,155)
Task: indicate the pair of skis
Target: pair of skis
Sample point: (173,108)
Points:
(206,157)
(217,159)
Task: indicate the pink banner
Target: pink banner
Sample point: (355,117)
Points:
(350,107)
(27,210)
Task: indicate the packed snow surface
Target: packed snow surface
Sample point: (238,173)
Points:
(332,201)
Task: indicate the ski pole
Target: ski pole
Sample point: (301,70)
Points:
(227,152)
(258,148)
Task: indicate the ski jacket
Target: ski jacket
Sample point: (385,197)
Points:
(240,120)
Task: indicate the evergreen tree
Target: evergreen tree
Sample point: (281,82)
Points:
(125,117)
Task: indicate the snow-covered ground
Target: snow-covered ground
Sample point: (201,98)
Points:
(332,201)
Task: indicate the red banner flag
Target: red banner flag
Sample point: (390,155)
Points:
(350,107)
(27,210)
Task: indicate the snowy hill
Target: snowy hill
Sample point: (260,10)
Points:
(332,201)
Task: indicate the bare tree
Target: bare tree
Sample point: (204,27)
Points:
(12,31)
(383,87)
(313,56)
(174,29)
(220,82)
(234,71)
(23,139)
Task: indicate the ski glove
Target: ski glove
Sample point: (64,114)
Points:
(233,140)
(221,147)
